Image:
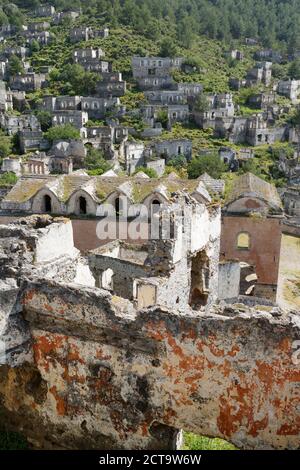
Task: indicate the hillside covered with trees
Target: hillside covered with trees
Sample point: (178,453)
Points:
(274,22)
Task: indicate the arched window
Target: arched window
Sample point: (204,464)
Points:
(155,206)
(47,203)
(118,207)
(243,241)
(82,205)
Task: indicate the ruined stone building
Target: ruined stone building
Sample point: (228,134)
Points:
(251,231)
(91,59)
(86,33)
(62,16)
(42,37)
(79,34)
(95,107)
(155,72)
(63,158)
(13,124)
(268,55)
(76,118)
(261,73)
(156,154)
(6,98)
(44,11)
(289,88)
(111,84)
(291,201)
(88,364)
(151,114)
(28,82)
(70,194)
(262,100)
(250,130)
(219,106)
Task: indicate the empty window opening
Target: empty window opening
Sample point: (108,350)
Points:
(82,205)
(118,207)
(155,206)
(199,280)
(106,280)
(47,203)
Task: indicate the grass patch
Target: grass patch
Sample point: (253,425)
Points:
(194,442)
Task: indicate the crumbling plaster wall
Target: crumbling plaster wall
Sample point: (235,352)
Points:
(105,376)
(81,368)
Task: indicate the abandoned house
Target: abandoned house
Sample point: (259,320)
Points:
(91,59)
(236,54)
(42,37)
(169,149)
(262,100)
(79,34)
(44,11)
(174,113)
(101,33)
(111,84)
(289,88)
(165,97)
(251,231)
(63,16)
(261,73)
(254,130)
(291,201)
(30,140)
(154,66)
(268,55)
(76,118)
(13,124)
(154,72)
(96,108)
(6,98)
(30,81)
(220,106)
(19,51)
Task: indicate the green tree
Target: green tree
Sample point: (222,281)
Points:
(77,80)
(45,118)
(168,48)
(5,145)
(210,164)
(95,162)
(163,118)
(294,69)
(178,161)
(65,132)
(34,46)
(201,103)
(7,179)
(3,18)
(15,65)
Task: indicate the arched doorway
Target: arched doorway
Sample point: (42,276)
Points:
(82,205)
(47,203)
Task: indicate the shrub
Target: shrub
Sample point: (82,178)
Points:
(65,132)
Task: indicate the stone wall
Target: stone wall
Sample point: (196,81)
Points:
(81,368)
(105,376)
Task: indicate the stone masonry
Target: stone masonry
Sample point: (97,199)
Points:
(84,368)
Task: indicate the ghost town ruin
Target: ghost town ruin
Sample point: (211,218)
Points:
(137,303)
